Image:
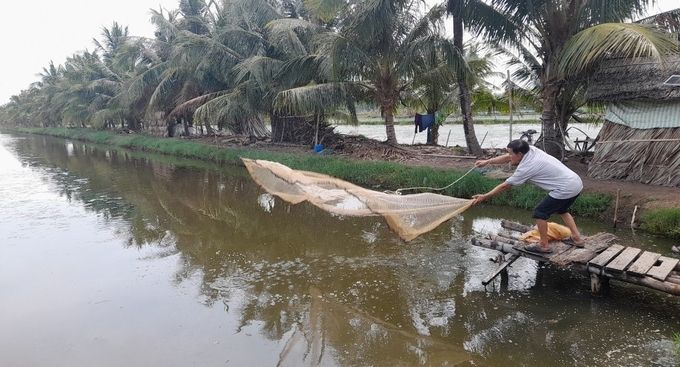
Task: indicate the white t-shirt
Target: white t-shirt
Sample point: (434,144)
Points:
(548,173)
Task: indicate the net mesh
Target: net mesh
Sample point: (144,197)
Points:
(408,215)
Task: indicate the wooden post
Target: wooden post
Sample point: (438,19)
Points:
(598,284)
(505,278)
(502,268)
(510,104)
(316,132)
(447,138)
(595,284)
(632,220)
(616,206)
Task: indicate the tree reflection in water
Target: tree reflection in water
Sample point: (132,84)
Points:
(343,291)
(317,283)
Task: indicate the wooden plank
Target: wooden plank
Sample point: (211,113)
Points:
(643,263)
(514,226)
(603,258)
(499,269)
(536,256)
(662,270)
(626,257)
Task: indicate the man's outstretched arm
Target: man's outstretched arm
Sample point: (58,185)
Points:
(496,190)
(505,158)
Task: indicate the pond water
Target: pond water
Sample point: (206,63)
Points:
(498,134)
(116,258)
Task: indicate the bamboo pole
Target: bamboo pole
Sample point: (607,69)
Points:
(316,131)
(510,105)
(636,141)
(616,206)
(514,226)
(649,282)
(502,267)
(447,156)
(506,248)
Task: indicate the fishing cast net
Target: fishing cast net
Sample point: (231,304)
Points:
(408,215)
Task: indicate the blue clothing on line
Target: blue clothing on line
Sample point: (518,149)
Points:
(423,122)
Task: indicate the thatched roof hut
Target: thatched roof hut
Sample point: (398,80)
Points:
(669,21)
(638,79)
(640,140)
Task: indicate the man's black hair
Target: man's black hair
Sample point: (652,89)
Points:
(519,146)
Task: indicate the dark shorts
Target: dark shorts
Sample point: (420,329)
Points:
(550,206)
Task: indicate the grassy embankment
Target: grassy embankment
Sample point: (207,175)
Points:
(375,175)
(665,222)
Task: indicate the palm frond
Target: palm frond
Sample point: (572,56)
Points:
(314,98)
(611,40)
(242,40)
(429,24)
(259,69)
(231,110)
(165,90)
(345,59)
(303,70)
(107,86)
(142,83)
(325,10)
(189,107)
(491,22)
(607,11)
(284,34)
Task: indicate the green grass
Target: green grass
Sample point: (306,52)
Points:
(676,340)
(374,175)
(664,222)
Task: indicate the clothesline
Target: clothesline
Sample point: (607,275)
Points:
(636,141)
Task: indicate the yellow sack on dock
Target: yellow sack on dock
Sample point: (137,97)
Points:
(556,232)
(408,215)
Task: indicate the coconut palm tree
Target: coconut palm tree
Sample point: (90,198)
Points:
(569,37)
(435,86)
(48,86)
(265,39)
(198,79)
(474,11)
(123,58)
(375,55)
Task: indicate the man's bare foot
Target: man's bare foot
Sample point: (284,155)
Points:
(575,242)
(538,249)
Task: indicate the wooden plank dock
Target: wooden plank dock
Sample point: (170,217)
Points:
(600,258)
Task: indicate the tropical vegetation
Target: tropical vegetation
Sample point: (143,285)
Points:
(283,69)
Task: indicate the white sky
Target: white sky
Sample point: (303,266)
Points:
(35,32)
